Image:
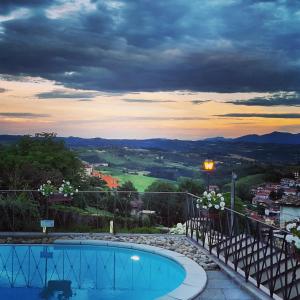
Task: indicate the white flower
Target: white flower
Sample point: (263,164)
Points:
(197,205)
(217,206)
(296,239)
(222,199)
(219,195)
(209,205)
(291,226)
(76,190)
(68,182)
(222,208)
(298,228)
(204,206)
(65,195)
(297,244)
(48,181)
(289,238)
(213,192)
(72,194)
(205,193)
(222,204)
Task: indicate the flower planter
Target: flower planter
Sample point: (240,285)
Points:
(213,214)
(59,198)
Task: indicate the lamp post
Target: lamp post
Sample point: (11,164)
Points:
(208,167)
(232,196)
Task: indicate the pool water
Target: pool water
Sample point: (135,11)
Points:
(61,272)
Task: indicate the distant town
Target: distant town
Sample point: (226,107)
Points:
(277,203)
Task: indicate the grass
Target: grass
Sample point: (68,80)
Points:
(139,181)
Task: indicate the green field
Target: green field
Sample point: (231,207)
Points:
(139,181)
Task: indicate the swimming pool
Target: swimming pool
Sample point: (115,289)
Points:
(85,272)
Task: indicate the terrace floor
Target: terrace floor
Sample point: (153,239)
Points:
(222,287)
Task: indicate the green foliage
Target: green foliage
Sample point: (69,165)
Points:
(191,186)
(90,183)
(127,186)
(169,207)
(244,185)
(239,204)
(161,186)
(34,160)
(18,212)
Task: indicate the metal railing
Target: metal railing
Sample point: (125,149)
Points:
(257,251)
(87,211)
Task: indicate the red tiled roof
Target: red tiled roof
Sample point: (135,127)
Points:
(111,182)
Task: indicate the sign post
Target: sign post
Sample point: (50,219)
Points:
(47,224)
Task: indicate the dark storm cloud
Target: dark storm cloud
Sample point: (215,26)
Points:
(7,6)
(219,46)
(66,94)
(147,101)
(254,115)
(280,99)
(23,115)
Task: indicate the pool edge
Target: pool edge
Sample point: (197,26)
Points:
(194,282)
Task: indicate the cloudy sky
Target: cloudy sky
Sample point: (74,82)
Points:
(144,68)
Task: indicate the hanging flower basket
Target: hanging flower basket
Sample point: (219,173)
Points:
(63,194)
(213,214)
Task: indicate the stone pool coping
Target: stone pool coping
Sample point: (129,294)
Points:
(194,282)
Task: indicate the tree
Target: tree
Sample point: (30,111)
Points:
(126,194)
(239,204)
(161,197)
(34,160)
(276,195)
(191,186)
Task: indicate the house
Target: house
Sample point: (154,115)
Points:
(88,169)
(290,191)
(287,182)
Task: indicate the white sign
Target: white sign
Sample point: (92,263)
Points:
(47,223)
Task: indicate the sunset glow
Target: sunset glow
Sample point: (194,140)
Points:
(76,78)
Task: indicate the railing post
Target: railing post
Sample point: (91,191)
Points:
(114,217)
(286,271)
(186,211)
(258,254)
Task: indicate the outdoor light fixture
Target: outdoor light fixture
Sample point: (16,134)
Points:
(208,165)
(135,257)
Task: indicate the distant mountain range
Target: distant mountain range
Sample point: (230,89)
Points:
(168,144)
(269,138)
